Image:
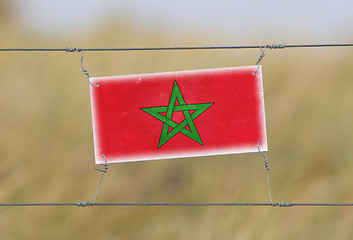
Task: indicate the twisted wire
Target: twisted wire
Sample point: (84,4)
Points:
(88,204)
(270,46)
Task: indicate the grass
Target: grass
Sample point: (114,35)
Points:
(47,148)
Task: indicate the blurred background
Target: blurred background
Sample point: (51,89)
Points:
(46,139)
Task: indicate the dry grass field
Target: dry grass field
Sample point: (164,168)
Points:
(46,145)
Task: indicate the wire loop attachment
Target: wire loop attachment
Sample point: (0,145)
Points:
(260,59)
(285,204)
(68,49)
(84,204)
(263,154)
(105,164)
(263,48)
(276,46)
(84,70)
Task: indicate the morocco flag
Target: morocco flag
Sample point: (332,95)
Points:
(178,114)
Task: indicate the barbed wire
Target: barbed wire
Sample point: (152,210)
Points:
(271,46)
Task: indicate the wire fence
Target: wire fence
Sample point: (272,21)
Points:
(89,204)
(262,47)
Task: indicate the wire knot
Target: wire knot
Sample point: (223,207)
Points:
(84,70)
(260,59)
(283,204)
(276,46)
(84,204)
(68,49)
(263,154)
(105,164)
(263,48)
(267,164)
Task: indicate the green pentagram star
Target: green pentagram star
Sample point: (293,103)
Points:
(196,109)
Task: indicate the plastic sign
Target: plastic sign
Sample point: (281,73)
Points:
(178,114)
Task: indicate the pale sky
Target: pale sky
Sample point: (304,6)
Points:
(315,20)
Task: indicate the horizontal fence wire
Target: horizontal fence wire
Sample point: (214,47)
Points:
(272,46)
(88,204)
